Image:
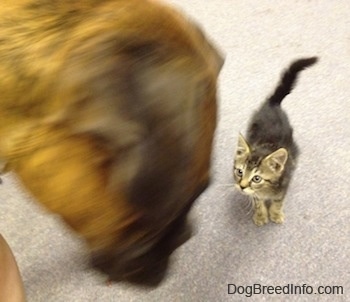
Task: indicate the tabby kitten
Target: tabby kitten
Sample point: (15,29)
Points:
(264,162)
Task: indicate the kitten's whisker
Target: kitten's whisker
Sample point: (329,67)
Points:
(225,185)
(248,205)
(251,201)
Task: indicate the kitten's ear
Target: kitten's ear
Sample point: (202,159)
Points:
(276,160)
(242,147)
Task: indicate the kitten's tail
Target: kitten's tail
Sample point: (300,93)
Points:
(288,80)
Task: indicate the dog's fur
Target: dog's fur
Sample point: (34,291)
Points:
(107,116)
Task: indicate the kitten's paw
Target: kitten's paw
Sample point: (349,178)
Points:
(277,218)
(260,220)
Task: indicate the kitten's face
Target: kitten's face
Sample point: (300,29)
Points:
(258,176)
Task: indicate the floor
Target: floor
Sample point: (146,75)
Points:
(311,249)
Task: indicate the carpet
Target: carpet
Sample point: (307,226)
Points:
(229,258)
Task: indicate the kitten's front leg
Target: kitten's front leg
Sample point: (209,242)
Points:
(276,211)
(260,213)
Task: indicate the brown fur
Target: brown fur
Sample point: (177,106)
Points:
(107,115)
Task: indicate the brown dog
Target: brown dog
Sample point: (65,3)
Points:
(107,115)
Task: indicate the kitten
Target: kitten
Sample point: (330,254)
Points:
(264,163)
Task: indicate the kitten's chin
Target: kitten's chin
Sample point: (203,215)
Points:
(248,192)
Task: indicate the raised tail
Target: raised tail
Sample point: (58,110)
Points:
(288,80)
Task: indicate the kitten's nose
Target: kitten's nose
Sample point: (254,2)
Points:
(244,183)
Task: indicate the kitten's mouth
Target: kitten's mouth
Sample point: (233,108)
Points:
(240,189)
(244,191)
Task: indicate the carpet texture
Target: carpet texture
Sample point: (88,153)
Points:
(259,40)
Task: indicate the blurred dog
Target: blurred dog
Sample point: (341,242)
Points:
(107,116)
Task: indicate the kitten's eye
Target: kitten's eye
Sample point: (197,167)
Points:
(257,179)
(239,172)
